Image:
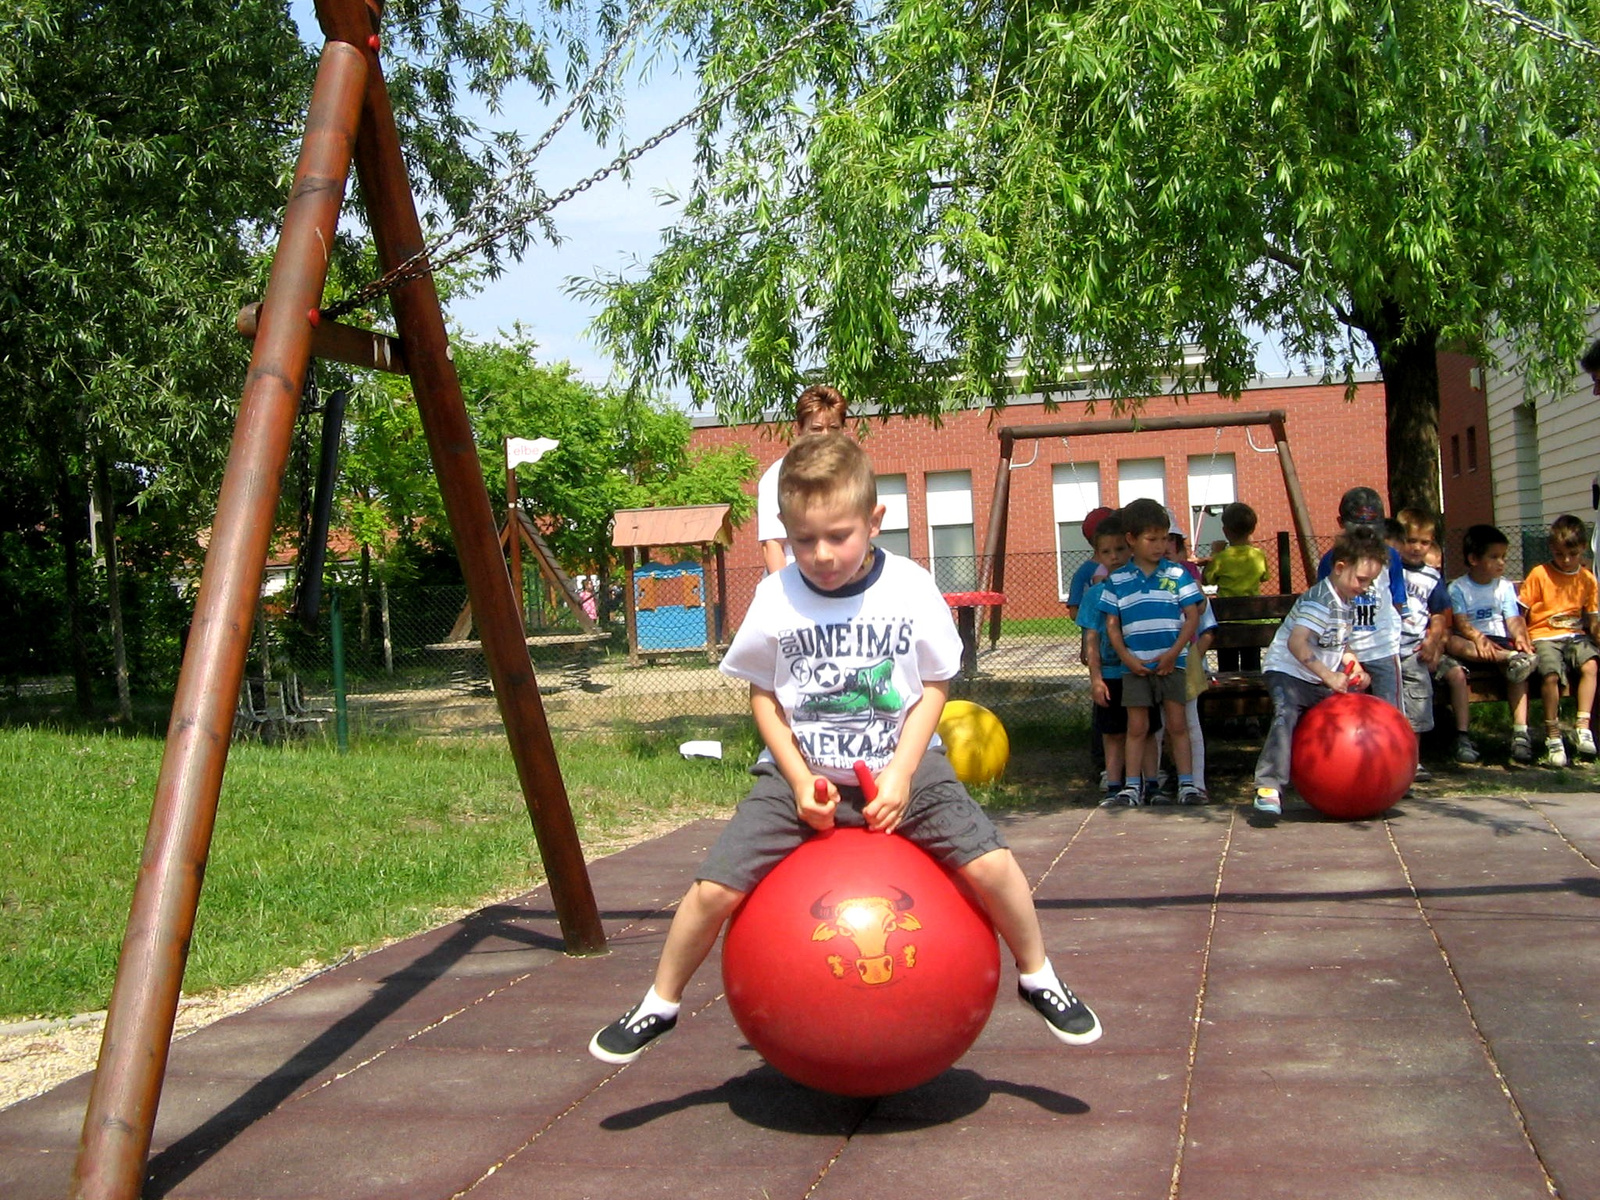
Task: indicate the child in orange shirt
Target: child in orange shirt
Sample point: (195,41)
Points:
(1563,605)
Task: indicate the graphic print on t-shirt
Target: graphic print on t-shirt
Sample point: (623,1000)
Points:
(848,700)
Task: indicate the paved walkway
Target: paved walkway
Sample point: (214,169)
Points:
(1398,1009)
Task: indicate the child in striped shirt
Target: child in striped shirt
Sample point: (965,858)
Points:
(1152,609)
(1310,657)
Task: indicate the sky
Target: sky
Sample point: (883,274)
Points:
(611,227)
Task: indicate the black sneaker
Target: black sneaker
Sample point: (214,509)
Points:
(1466,750)
(624,1039)
(1070,1019)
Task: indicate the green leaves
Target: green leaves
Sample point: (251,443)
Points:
(615,451)
(941,190)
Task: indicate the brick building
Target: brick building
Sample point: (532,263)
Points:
(937,483)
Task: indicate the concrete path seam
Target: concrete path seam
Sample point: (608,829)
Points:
(1199,1009)
(1483,1042)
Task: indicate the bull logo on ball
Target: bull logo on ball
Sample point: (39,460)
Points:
(867,922)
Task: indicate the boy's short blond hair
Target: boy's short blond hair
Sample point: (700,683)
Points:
(826,467)
(1566,531)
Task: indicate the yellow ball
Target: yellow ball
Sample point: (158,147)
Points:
(974,741)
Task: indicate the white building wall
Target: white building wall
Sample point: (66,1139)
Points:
(1544,449)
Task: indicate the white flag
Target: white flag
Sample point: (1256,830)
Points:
(521,450)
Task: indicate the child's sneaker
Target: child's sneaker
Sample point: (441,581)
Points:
(1521,748)
(1153,793)
(1423,775)
(624,1039)
(1583,742)
(1466,749)
(1128,797)
(1555,752)
(1189,794)
(1520,666)
(1070,1019)
(1268,803)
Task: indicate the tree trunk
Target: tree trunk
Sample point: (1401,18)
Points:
(73,530)
(106,506)
(1411,386)
(1410,362)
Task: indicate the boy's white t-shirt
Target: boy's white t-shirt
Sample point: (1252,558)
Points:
(847,666)
(1486,605)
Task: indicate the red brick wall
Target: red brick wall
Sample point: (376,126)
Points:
(1468,493)
(1336,444)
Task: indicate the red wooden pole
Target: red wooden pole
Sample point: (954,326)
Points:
(144,1001)
(397,232)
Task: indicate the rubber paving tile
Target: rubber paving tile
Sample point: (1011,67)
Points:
(1400,1008)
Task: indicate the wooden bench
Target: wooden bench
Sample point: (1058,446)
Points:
(1243,623)
(1244,693)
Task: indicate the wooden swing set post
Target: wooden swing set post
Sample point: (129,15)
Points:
(121,1114)
(397,232)
(995,541)
(349,117)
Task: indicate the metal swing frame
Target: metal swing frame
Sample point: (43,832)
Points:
(994,558)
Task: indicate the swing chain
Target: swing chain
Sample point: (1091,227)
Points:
(419,264)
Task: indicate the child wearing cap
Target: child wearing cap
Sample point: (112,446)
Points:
(1084,575)
(1375,617)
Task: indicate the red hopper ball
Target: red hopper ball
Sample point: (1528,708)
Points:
(858,966)
(1353,756)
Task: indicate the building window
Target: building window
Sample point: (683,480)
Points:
(952,548)
(1455,454)
(895,536)
(1141,479)
(1211,489)
(1075,490)
(1472,447)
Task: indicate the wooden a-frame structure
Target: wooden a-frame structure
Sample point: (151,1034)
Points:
(350,120)
(994,561)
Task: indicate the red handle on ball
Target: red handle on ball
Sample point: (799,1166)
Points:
(869,785)
(821,790)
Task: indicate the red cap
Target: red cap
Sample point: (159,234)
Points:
(1091,522)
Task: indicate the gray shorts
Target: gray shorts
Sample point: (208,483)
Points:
(1558,656)
(941,818)
(1416,693)
(1149,691)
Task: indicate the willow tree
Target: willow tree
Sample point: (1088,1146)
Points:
(146,148)
(934,195)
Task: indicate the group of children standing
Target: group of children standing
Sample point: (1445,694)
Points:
(1379,618)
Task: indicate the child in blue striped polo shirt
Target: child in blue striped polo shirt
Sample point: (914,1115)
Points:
(1152,609)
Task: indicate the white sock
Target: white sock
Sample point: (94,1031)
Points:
(1044,977)
(653,1004)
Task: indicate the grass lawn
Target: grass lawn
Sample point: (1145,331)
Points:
(314,853)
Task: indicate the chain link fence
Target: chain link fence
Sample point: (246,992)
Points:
(403,671)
